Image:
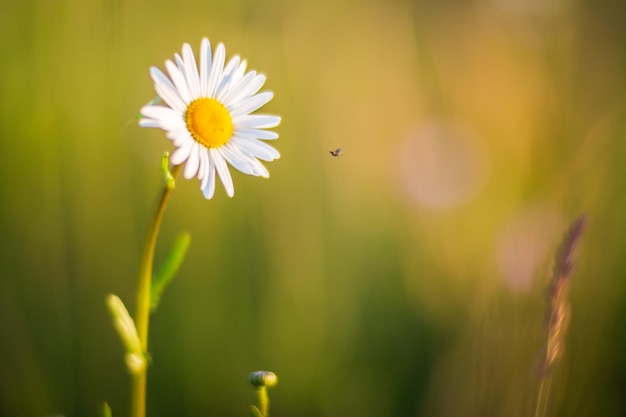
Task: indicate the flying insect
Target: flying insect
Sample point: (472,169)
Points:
(337,152)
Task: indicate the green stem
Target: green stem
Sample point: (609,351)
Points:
(264,401)
(142,316)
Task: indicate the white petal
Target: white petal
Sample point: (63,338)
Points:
(216,70)
(246,87)
(166,90)
(181,66)
(227,77)
(256,148)
(251,104)
(181,153)
(231,67)
(235,78)
(193,162)
(179,137)
(238,159)
(205,64)
(261,171)
(158,112)
(173,124)
(240,71)
(169,119)
(179,80)
(208,182)
(191,72)
(203,169)
(250,133)
(243,161)
(222,171)
(235,86)
(257,121)
(149,123)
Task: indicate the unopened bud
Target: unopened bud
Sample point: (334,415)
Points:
(125,326)
(263,379)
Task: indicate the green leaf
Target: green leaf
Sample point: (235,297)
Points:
(255,411)
(169,268)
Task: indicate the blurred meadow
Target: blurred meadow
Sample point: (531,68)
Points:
(406,277)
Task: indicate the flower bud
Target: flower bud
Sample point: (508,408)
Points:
(263,379)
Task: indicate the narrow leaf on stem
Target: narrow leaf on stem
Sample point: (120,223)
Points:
(169,269)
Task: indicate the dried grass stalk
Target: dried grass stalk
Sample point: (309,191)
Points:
(559,311)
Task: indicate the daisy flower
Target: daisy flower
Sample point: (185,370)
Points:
(208,116)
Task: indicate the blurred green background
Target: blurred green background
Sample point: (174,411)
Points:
(404,278)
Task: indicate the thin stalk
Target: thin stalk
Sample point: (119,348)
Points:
(558,311)
(142,316)
(264,400)
(543,396)
(545,375)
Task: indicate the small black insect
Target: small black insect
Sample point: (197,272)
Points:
(336,152)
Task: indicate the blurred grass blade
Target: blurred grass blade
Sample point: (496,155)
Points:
(169,268)
(105,410)
(255,411)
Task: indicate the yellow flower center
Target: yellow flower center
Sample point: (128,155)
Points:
(209,122)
